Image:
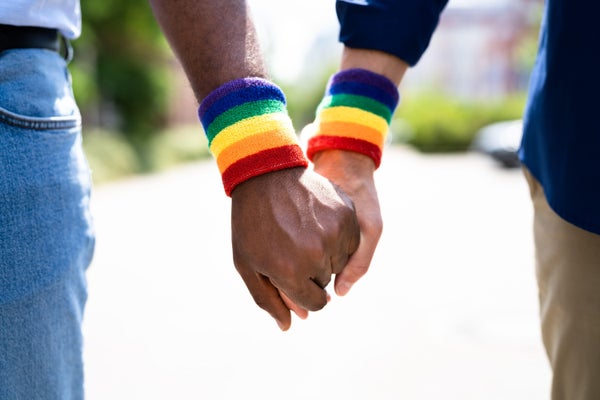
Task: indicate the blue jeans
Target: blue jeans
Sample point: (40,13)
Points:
(46,234)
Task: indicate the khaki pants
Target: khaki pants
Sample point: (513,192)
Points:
(568,274)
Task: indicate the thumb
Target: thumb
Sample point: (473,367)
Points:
(357,266)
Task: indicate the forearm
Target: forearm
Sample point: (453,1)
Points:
(276,202)
(376,61)
(346,156)
(215,41)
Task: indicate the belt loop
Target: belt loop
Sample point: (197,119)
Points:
(67,49)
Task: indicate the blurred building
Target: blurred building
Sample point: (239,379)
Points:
(481,49)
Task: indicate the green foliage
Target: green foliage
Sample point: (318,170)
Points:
(121,68)
(433,122)
(111,156)
(177,146)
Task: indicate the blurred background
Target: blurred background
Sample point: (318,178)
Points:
(449,307)
(140,114)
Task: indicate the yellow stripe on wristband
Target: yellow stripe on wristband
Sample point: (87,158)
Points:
(251,145)
(354,115)
(250,127)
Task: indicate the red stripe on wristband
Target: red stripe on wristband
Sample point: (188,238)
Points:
(321,143)
(262,162)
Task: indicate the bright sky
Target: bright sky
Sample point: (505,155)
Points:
(288,29)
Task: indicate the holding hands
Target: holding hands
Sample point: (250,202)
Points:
(292,227)
(291,230)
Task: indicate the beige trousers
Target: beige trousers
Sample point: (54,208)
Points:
(568,275)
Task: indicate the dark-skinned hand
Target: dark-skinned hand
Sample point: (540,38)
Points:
(291,231)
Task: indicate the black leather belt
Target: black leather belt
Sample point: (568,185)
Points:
(29,37)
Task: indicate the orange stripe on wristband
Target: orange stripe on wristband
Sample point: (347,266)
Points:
(251,145)
(352,130)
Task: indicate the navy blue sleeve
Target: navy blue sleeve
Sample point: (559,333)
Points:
(399,27)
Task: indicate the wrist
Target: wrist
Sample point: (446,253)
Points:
(350,170)
(376,61)
(346,162)
(249,131)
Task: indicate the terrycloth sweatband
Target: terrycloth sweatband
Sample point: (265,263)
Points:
(249,131)
(355,114)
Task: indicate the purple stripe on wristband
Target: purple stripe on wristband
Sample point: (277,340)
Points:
(235,93)
(362,89)
(367,77)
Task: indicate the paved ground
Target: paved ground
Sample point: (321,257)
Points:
(448,311)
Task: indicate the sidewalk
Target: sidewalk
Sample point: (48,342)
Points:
(448,310)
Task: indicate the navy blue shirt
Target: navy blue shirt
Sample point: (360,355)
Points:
(561,139)
(561,142)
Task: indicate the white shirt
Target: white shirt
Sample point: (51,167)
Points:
(64,15)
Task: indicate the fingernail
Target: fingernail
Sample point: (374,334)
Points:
(281,325)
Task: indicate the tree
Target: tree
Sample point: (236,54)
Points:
(121,68)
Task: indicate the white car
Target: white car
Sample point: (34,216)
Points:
(501,141)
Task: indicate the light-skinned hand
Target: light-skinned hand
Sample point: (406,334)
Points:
(354,174)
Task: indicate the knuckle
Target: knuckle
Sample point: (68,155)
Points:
(375,228)
(358,271)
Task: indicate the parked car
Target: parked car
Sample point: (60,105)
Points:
(501,141)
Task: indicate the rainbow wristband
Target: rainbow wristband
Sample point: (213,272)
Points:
(355,114)
(249,131)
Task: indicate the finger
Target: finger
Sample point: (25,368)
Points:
(347,248)
(307,294)
(299,311)
(339,262)
(351,242)
(354,240)
(349,276)
(357,266)
(266,296)
(322,276)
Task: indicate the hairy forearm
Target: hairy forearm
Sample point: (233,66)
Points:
(214,40)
